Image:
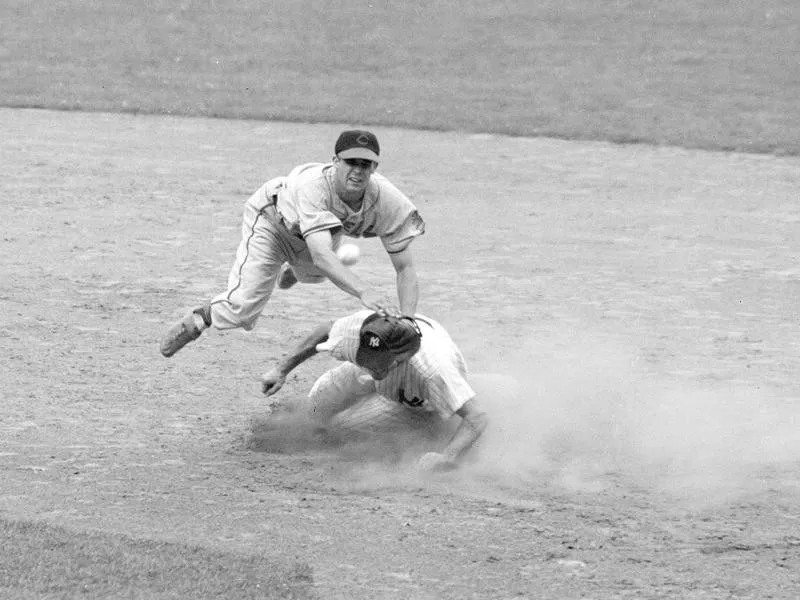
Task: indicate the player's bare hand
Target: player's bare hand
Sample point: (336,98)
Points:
(379,304)
(272,381)
(435,462)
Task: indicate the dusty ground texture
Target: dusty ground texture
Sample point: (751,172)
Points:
(630,313)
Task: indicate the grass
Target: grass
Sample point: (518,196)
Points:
(712,74)
(39,561)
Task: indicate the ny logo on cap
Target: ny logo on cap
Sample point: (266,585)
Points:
(374,341)
(362,139)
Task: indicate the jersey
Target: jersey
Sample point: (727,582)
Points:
(434,379)
(308,203)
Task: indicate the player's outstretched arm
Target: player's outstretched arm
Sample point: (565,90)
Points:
(273,380)
(407,284)
(320,247)
(473,423)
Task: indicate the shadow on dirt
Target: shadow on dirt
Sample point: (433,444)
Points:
(286,432)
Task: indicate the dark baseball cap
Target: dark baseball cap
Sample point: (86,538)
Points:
(382,338)
(357,143)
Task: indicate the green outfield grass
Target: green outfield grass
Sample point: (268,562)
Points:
(714,74)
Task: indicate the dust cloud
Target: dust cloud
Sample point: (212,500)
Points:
(581,416)
(590,414)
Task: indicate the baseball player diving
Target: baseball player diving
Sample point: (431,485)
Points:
(396,370)
(292,227)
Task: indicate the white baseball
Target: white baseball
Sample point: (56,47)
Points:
(348,254)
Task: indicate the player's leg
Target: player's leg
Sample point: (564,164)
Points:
(335,391)
(251,280)
(301,268)
(344,400)
(252,277)
(375,414)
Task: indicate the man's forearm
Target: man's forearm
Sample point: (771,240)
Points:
(463,439)
(305,349)
(339,275)
(408,291)
(468,432)
(324,258)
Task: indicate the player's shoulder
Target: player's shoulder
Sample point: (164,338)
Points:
(352,322)
(307,174)
(434,336)
(384,183)
(384,190)
(358,315)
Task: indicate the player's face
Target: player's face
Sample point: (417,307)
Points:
(378,373)
(352,176)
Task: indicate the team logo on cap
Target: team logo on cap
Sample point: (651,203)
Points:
(374,342)
(362,139)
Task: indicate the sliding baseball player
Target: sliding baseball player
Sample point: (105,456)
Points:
(396,370)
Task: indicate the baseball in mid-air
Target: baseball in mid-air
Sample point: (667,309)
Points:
(348,254)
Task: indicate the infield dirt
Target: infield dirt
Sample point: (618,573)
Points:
(630,314)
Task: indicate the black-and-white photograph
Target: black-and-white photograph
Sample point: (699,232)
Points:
(373,300)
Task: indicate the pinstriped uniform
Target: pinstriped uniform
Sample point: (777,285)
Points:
(434,379)
(431,386)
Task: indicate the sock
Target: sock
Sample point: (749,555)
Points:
(199,322)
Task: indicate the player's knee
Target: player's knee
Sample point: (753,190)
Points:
(335,391)
(323,387)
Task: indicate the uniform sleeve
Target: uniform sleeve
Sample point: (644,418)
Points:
(344,337)
(399,239)
(400,219)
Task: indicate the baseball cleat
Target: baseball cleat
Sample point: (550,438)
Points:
(182,332)
(286,278)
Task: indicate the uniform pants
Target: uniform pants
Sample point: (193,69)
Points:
(344,399)
(265,245)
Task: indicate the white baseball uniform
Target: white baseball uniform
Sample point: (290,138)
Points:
(279,215)
(432,384)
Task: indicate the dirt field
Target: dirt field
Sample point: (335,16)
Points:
(630,314)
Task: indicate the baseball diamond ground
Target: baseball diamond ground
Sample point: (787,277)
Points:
(630,314)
